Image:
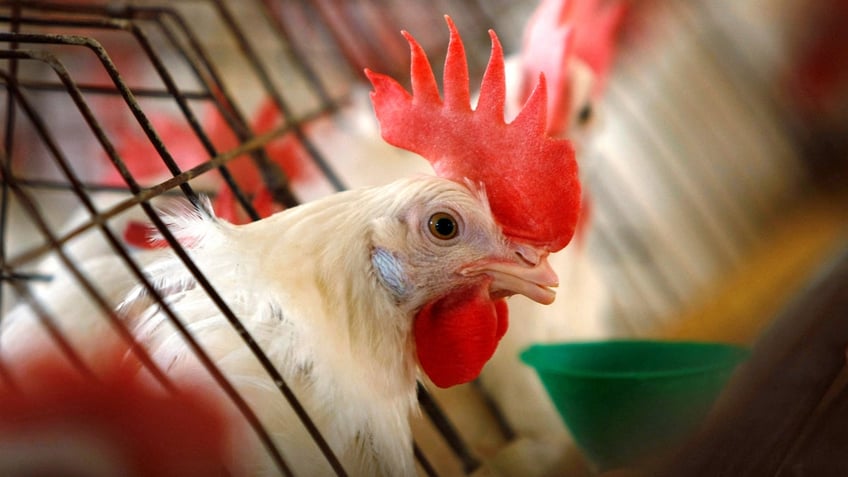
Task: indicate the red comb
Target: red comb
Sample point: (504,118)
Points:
(548,49)
(530,179)
(599,28)
(560,31)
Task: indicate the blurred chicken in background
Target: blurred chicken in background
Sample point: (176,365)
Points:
(56,421)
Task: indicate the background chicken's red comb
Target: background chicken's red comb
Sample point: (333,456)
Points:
(560,31)
(548,49)
(530,179)
(599,22)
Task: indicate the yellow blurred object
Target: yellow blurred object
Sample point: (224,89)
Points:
(739,306)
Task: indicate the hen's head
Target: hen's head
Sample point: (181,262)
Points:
(441,255)
(532,191)
(530,178)
(446,238)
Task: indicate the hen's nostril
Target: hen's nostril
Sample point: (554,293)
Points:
(524,258)
(529,255)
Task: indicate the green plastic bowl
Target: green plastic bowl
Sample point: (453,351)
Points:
(624,400)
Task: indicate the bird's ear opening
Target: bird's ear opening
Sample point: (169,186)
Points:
(390,272)
(387,238)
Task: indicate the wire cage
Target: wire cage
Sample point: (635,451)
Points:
(111,107)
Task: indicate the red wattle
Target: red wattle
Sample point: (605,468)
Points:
(457,334)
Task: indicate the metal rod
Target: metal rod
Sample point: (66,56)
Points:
(139,92)
(283,34)
(501,421)
(29,204)
(447,429)
(8,144)
(165,187)
(265,79)
(218,93)
(429,470)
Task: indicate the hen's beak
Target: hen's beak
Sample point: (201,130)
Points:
(529,274)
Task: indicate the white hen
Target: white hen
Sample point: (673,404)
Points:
(329,290)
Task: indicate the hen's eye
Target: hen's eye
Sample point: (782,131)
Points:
(585,114)
(443,226)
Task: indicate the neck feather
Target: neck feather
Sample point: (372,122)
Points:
(326,248)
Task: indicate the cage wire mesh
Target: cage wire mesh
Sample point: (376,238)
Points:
(110,108)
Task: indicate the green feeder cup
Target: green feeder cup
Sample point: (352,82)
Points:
(623,400)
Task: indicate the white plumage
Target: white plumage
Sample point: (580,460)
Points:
(328,289)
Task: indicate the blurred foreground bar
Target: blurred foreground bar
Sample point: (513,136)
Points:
(785,411)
